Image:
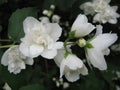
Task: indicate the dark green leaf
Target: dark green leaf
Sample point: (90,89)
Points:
(33,87)
(14,81)
(3,1)
(15,27)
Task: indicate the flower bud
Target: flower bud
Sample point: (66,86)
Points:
(82,42)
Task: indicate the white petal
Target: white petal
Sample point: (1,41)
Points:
(54,30)
(81,19)
(113,21)
(96,58)
(62,68)
(59,57)
(81,26)
(56,45)
(83,70)
(49,54)
(72,76)
(103,41)
(24,49)
(6,87)
(22,65)
(4,59)
(29,61)
(98,30)
(73,62)
(29,24)
(106,51)
(36,50)
(115,8)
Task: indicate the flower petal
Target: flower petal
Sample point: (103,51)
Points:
(96,58)
(36,50)
(83,70)
(73,62)
(72,76)
(54,30)
(30,23)
(81,26)
(103,41)
(29,61)
(59,57)
(24,49)
(49,54)
(56,45)
(98,30)
(4,59)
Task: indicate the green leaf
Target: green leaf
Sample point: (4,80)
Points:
(3,1)
(72,34)
(33,87)
(15,27)
(89,45)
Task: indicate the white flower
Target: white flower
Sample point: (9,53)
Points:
(100,43)
(88,8)
(6,87)
(109,15)
(101,10)
(71,66)
(15,60)
(94,6)
(100,5)
(81,26)
(40,39)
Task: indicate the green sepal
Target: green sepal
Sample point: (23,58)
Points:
(72,34)
(89,45)
(66,54)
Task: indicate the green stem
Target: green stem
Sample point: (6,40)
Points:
(65,45)
(6,46)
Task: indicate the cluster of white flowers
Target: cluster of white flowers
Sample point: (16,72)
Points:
(70,65)
(101,10)
(41,39)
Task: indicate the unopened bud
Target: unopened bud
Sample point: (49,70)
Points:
(45,12)
(82,42)
(52,7)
